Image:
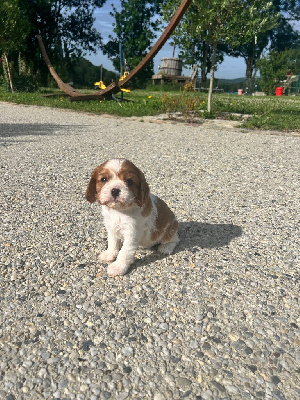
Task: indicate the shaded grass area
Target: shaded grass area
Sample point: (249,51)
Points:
(275,113)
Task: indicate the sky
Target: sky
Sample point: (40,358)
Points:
(231,67)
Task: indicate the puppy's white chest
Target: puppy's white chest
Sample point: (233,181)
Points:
(117,227)
(120,223)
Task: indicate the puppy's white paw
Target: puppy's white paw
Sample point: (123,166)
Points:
(108,256)
(117,269)
(167,248)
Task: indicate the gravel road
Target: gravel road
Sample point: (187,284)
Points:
(219,319)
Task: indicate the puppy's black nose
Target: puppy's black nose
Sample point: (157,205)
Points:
(115,192)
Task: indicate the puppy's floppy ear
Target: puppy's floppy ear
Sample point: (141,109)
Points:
(144,190)
(90,193)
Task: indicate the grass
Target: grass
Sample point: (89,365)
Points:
(269,112)
(272,113)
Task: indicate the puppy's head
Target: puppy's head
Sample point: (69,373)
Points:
(118,184)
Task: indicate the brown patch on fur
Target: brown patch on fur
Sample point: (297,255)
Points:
(147,207)
(95,185)
(166,223)
(139,186)
(170,231)
(128,170)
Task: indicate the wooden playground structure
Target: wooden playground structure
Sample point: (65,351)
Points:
(291,85)
(163,78)
(115,87)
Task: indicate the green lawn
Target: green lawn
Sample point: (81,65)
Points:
(270,112)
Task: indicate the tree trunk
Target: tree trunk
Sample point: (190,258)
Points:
(253,79)
(249,67)
(212,74)
(203,65)
(8,73)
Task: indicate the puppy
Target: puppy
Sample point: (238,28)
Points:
(132,216)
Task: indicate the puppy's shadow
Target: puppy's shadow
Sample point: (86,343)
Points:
(206,236)
(195,236)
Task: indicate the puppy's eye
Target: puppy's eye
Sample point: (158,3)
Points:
(129,182)
(103,180)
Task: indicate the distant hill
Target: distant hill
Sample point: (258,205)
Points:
(231,85)
(83,74)
(236,80)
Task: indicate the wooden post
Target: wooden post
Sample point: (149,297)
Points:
(8,73)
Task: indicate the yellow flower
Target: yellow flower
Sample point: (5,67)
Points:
(149,97)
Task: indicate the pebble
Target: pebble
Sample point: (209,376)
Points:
(128,351)
(158,396)
(232,389)
(183,381)
(206,395)
(122,396)
(218,319)
(194,344)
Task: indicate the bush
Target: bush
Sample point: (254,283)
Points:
(166,87)
(21,84)
(187,104)
(25,84)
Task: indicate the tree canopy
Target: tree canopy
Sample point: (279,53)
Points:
(14,26)
(232,22)
(65,23)
(66,27)
(190,38)
(135,26)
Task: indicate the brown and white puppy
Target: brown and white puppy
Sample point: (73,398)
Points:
(132,215)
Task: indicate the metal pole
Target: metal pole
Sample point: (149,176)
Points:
(121,60)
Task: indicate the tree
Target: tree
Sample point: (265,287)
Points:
(14,28)
(284,36)
(251,52)
(193,48)
(134,27)
(227,23)
(280,37)
(232,22)
(66,27)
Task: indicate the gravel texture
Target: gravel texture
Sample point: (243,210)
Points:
(219,319)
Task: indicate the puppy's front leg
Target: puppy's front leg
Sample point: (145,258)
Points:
(125,257)
(113,248)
